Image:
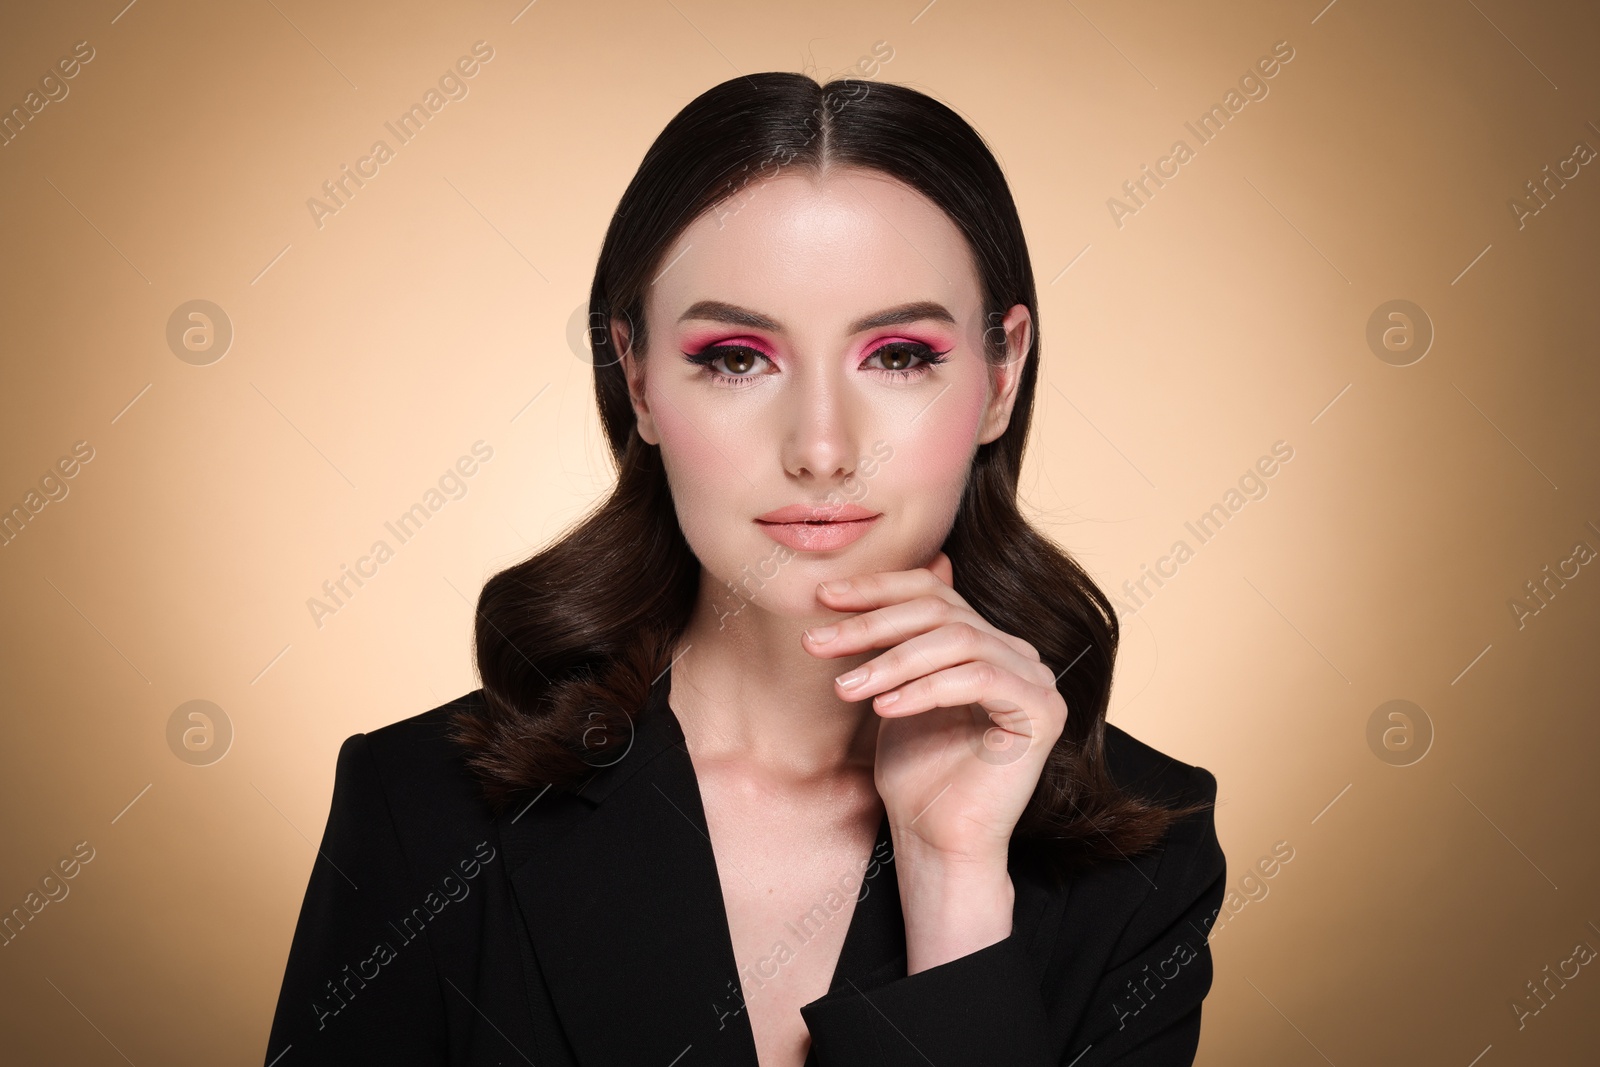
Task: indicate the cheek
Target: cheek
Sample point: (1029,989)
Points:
(938,445)
(684,448)
(700,474)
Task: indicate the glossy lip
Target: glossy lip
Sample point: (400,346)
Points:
(815,513)
(817,536)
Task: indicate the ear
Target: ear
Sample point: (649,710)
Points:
(633,371)
(1004,379)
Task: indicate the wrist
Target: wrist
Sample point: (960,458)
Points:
(951,912)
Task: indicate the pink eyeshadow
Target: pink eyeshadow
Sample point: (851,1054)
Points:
(695,343)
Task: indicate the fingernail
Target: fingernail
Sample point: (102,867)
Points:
(853,678)
(836,587)
(885,699)
(822,634)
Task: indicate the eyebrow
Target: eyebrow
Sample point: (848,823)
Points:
(720,311)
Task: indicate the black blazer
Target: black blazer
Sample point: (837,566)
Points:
(589,928)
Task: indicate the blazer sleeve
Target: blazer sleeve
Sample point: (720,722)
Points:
(355,989)
(990,1006)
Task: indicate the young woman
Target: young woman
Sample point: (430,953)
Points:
(794,751)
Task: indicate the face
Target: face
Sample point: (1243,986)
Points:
(818,346)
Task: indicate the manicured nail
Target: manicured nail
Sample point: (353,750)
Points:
(822,634)
(853,678)
(885,699)
(836,587)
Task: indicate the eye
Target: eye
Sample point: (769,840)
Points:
(899,360)
(897,357)
(740,359)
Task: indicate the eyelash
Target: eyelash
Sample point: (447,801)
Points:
(710,354)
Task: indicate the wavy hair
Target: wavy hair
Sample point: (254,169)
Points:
(569,641)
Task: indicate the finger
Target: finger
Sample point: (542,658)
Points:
(940,648)
(895,623)
(879,588)
(867,592)
(1012,703)
(887,626)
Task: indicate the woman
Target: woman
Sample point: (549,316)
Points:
(794,751)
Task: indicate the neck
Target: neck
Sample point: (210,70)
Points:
(747,692)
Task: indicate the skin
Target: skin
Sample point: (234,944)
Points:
(795,767)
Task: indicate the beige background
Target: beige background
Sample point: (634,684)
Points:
(435,309)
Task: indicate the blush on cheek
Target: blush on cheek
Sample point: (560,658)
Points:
(945,437)
(928,470)
(700,474)
(690,457)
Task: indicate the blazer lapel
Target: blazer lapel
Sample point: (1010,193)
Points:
(618,886)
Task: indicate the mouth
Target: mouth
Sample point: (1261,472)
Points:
(816,515)
(818,535)
(810,522)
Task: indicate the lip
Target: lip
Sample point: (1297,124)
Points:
(817,513)
(817,536)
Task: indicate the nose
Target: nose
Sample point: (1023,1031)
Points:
(822,426)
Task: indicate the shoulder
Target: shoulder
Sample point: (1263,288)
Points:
(420,749)
(1191,854)
(1151,773)
(413,775)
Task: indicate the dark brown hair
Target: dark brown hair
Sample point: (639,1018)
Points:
(569,641)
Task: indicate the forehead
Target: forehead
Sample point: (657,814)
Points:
(819,249)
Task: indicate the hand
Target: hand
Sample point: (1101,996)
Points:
(968,714)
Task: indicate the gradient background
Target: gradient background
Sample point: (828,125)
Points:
(440,307)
